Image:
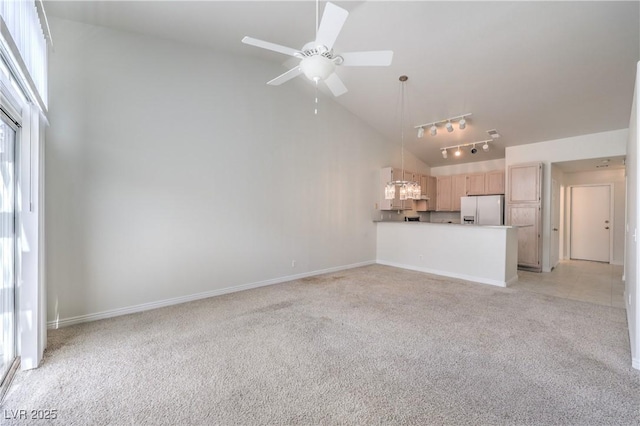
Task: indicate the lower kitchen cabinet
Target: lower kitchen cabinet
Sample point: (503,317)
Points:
(527,218)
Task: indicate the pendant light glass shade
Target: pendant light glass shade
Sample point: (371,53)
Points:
(390,191)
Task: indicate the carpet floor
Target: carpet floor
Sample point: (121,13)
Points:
(372,345)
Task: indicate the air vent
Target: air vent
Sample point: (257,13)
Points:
(493,134)
(599,166)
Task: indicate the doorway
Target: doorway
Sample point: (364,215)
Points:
(591,223)
(7,249)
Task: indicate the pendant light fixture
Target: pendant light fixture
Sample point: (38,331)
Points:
(407,189)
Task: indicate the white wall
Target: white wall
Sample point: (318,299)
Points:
(174,171)
(595,145)
(617,178)
(632,295)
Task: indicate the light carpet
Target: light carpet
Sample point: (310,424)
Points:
(372,345)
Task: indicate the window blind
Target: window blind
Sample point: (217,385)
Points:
(23,23)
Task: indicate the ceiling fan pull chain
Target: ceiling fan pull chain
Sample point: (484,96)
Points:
(316,106)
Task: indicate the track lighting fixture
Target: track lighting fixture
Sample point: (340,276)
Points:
(433,126)
(473,150)
(449,127)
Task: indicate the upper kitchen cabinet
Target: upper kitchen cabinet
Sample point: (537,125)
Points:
(459,189)
(494,182)
(444,194)
(450,189)
(429,191)
(476,184)
(525,183)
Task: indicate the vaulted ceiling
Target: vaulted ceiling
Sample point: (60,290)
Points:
(534,71)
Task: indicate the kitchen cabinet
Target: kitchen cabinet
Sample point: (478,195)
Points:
(476,184)
(525,183)
(389,174)
(428,189)
(527,218)
(494,182)
(524,207)
(458,189)
(444,193)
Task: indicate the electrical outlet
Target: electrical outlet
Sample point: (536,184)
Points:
(293,263)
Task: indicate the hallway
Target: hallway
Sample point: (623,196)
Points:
(593,282)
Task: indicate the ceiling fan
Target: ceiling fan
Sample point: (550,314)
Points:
(317,58)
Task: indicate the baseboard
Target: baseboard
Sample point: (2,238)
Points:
(446,274)
(513,280)
(635,363)
(65,322)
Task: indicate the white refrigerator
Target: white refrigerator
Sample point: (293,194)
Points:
(482,210)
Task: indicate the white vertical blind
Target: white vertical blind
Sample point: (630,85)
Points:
(22,21)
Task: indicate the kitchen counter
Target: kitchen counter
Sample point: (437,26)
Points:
(485,254)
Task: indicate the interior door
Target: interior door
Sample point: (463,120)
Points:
(7,248)
(590,232)
(554,250)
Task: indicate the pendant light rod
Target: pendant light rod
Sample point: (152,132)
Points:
(407,189)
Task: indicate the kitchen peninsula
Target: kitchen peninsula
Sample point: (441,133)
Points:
(484,254)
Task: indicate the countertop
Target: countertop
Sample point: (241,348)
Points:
(452,224)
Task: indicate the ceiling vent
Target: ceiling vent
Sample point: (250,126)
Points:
(493,134)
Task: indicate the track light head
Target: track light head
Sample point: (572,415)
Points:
(462,123)
(485,147)
(420,132)
(474,150)
(444,154)
(458,153)
(449,127)
(433,130)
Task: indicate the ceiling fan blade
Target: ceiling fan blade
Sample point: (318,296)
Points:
(282,78)
(271,46)
(374,58)
(336,85)
(333,18)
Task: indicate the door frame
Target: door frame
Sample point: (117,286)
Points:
(611,215)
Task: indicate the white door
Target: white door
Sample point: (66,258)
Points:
(554,251)
(590,232)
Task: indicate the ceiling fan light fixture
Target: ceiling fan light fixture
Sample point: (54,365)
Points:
(317,67)
(433,130)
